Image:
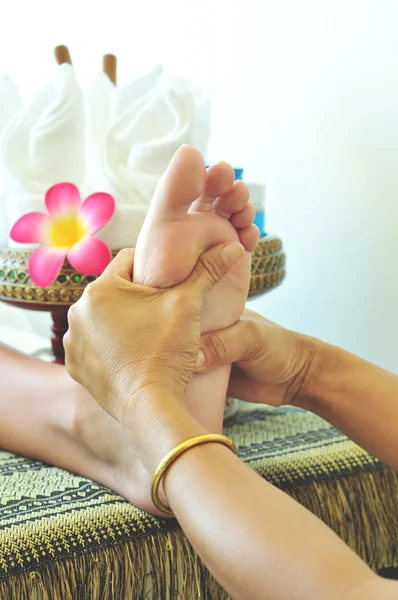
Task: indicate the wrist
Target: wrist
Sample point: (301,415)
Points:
(309,381)
(326,364)
(156,424)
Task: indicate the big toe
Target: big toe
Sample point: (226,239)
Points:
(183,181)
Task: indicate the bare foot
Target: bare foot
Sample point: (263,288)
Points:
(192,211)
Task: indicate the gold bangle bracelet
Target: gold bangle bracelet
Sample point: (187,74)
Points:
(174,454)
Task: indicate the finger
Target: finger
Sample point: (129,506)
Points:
(226,346)
(211,268)
(121,266)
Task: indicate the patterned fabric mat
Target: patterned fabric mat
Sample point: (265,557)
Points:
(54,524)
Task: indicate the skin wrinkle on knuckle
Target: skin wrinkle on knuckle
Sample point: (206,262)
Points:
(210,270)
(220,349)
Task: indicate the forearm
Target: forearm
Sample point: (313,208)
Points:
(358,398)
(248,533)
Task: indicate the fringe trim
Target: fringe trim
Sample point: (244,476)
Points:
(161,566)
(362,509)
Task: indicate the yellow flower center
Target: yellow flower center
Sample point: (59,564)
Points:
(66,232)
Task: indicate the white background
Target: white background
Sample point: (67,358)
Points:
(305,98)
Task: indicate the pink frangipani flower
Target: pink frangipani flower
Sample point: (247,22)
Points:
(67,232)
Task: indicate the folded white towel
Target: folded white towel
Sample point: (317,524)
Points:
(45,144)
(123,229)
(139,147)
(10,103)
(98,104)
(141,143)
(98,108)
(124,97)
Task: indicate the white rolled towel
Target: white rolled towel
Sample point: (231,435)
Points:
(44,145)
(124,97)
(138,149)
(98,108)
(106,104)
(10,103)
(98,105)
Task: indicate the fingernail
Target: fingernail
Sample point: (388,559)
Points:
(200,361)
(231,253)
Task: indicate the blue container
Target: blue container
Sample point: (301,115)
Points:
(238,172)
(259,220)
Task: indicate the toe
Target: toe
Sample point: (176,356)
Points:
(183,182)
(249,237)
(219,179)
(244,217)
(233,201)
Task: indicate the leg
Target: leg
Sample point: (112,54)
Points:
(46,415)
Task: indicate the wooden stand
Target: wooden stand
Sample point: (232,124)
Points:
(59,328)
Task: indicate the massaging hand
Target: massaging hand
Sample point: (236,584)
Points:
(272,365)
(124,338)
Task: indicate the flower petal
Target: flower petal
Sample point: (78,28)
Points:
(90,256)
(96,211)
(44,265)
(30,228)
(63,199)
